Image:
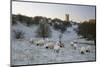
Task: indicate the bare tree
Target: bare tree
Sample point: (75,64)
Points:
(43,29)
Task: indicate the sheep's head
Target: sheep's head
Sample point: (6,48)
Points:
(61,45)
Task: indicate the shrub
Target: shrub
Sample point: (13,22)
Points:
(19,34)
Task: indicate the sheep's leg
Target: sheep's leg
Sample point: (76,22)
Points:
(75,48)
(46,47)
(37,44)
(82,52)
(87,50)
(57,51)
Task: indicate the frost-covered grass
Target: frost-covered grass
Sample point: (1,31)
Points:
(24,52)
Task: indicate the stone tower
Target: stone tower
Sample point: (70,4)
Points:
(67,17)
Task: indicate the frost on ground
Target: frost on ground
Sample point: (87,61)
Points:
(24,53)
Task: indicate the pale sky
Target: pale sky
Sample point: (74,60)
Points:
(76,12)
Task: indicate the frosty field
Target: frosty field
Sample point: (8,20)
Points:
(23,52)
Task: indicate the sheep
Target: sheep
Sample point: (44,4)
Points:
(82,50)
(74,45)
(71,43)
(85,49)
(49,45)
(40,42)
(88,49)
(37,42)
(55,46)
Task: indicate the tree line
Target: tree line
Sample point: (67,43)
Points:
(88,29)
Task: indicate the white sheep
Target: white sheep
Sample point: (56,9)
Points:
(74,45)
(71,43)
(39,42)
(49,45)
(52,45)
(82,50)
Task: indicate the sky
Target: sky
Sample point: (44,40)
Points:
(78,13)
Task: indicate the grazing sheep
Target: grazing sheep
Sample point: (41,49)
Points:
(88,49)
(55,46)
(49,45)
(39,42)
(74,45)
(82,50)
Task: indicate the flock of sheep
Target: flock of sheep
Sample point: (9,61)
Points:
(83,50)
(48,44)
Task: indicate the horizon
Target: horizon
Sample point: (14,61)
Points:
(77,13)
